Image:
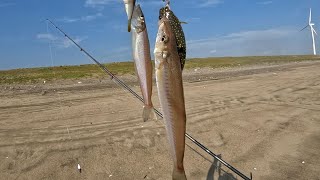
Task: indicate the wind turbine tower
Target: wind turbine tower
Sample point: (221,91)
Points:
(313,32)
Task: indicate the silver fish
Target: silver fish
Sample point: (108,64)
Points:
(142,59)
(171,95)
(129,5)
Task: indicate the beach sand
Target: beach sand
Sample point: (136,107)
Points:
(261,119)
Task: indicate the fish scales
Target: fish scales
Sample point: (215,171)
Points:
(142,60)
(171,95)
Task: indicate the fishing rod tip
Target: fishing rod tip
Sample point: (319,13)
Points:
(43,20)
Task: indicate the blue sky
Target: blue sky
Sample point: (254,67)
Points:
(215,28)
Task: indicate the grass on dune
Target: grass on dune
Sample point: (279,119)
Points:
(217,62)
(34,75)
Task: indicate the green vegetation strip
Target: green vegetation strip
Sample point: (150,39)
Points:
(35,75)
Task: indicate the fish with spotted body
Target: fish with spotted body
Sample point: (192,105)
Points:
(178,32)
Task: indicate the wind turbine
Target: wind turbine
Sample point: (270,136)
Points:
(312,32)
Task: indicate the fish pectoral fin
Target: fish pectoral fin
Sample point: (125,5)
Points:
(148,113)
(159,64)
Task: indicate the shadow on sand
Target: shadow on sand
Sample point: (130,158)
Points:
(216,168)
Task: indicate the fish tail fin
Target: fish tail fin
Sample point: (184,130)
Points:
(129,25)
(176,175)
(148,113)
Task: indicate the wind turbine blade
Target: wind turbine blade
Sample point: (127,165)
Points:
(304,28)
(314,31)
(310,16)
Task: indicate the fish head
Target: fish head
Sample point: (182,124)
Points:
(164,42)
(138,22)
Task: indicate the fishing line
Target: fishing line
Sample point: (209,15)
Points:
(124,85)
(51,41)
(167,2)
(54,75)
(50,47)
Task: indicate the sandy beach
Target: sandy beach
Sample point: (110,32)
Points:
(263,119)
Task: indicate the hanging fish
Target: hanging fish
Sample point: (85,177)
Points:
(142,60)
(129,5)
(171,95)
(178,32)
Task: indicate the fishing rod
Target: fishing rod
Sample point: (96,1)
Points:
(121,83)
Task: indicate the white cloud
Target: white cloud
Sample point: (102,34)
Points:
(276,41)
(91,17)
(192,20)
(152,3)
(209,3)
(66,43)
(49,37)
(101,3)
(213,51)
(119,27)
(95,3)
(265,2)
(83,18)
(68,20)
(60,42)
(120,53)
(5,4)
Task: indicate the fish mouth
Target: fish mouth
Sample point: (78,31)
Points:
(161,21)
(158,51)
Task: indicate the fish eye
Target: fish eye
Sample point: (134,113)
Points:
(164,39)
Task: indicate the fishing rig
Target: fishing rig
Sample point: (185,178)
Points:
(125,86)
